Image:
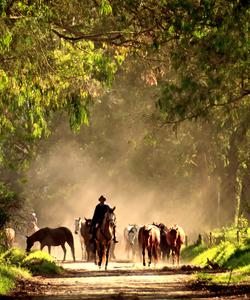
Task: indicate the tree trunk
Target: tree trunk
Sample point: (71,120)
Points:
(245,194)
(228,201)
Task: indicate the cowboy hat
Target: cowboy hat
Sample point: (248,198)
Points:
(102,198)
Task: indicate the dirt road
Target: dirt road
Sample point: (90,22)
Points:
(122,280)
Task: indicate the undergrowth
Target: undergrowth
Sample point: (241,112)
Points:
(232,256)
(16,264)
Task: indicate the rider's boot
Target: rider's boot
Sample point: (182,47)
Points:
(114,238)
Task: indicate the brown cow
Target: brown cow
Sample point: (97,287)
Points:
(149,238)
(175,238)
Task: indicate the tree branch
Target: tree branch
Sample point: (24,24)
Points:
(194,115)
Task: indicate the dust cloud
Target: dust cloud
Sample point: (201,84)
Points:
(116,156)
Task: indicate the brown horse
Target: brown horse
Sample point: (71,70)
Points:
(8,237)
(164,246)
(85,236)
(52,237)
(149,238)
(175,238)
(104,236)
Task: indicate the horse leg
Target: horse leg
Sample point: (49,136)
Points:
(72,251)
(64,251)
(87,251)
(82,249)
(100,255)
(178,255)
(107,256)
(133,253)
(149,256)
(155,254)
(49,249)
(143,256)
(95,252)
(168,253)
(173,256)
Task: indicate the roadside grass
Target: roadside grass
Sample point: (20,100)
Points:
(230,255)
(9,275)
(39,262)
(13,256)
(15,264)
(190,252)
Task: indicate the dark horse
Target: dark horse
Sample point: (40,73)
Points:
(175,238)
(52,237)
(85,236)
(149,238)
(164,246)
(104,236)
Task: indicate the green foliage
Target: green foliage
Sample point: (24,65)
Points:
(240,276)
(228,255)
(218,254)
(190,252)
(14,256)
(58,56)
(40,262)
(7,200)
(15,264)
(105,7)
(235,233)
(8,277)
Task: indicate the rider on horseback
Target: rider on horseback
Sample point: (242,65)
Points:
(97,219)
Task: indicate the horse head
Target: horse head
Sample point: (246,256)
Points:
(110,217)
(29,244)
(132,235)
(87,222)
(77,224)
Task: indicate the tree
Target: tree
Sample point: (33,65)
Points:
(57,56)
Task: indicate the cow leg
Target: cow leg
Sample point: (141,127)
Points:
(64,251)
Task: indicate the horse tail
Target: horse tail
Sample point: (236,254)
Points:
(70,241)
